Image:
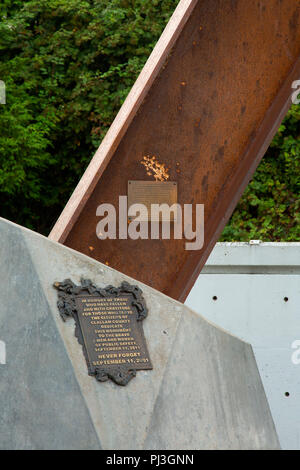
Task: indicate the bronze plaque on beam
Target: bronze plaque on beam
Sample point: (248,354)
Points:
(152,192)
(108,326)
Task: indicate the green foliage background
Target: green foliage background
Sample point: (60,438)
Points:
(68,66)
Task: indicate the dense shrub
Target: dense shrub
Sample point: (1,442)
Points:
(270,207)
(68,66)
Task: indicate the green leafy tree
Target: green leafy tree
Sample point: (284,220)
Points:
(270,207)
(68,66)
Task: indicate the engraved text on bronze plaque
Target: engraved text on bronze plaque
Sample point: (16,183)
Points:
(108,326)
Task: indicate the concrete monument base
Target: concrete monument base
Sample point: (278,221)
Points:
(204,391)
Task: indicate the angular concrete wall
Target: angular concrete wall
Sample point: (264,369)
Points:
(264,311)
(203,393)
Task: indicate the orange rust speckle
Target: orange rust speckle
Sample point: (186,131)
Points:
(183,83)
(107,263)
(154,168)
(91,248)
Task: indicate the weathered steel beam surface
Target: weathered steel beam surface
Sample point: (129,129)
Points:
(207,104)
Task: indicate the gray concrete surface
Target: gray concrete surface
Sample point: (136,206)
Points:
(204,392)
(257,290)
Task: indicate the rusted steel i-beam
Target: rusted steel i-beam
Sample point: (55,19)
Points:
(207,104)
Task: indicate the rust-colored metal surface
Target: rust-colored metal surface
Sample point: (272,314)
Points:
(209,116)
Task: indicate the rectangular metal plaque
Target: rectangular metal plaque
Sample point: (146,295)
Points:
(108,326)
(152,192)
(111,333)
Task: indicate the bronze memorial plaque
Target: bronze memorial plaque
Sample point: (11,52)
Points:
(153,192)
(108,326)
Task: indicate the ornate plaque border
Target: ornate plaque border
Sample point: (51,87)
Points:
(67,293)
